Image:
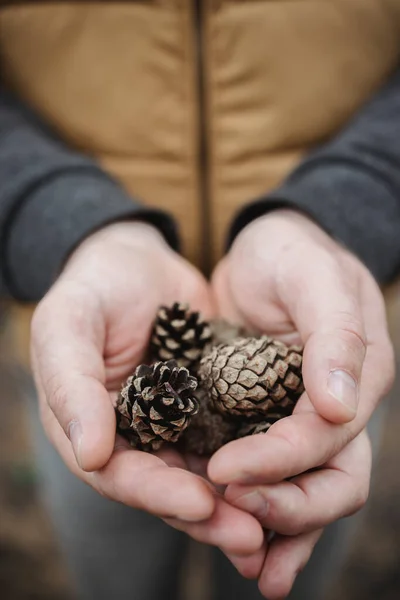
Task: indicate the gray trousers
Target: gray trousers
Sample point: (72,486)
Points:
(116,553)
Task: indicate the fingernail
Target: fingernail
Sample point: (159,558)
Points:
(75,436)
(254,503)
(344,388)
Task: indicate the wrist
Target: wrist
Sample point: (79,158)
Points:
(110,249)
(281,237)
(286,216)
(137,235)
(278,226)
(282,227)
(131,233)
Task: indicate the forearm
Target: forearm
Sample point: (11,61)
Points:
(51,198)
(351,185)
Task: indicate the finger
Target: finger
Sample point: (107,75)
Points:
(313,500)
(300,442)
(249,566)
(328,315)
(142,481)
(291,446)
(139,479)
(171,457)
(234,531)
(67,340)
(197,464)
(223,294)
(193,289)
(286,557)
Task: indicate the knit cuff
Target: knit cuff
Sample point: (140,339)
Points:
(349,202)
(51,221)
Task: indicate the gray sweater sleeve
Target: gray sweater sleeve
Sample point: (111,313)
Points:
(51,198)
(351,185)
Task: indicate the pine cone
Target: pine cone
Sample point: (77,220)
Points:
(208,430)
(261,427)
(179,334)
(224,332)
(251,376)
(156,405)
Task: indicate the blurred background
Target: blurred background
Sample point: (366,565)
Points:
(31,567)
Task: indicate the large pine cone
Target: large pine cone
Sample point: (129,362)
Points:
(208,429)
(156,405)
(251,376)
(179,334)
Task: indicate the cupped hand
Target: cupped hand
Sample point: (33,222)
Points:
(286,277)
(88,334)
(297,510)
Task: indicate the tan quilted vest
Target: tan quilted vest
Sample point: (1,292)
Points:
(198,106)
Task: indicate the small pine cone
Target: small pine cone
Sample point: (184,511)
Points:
(224,332)
(179,334)
(261,427)
(156,405)
(208,430)
(251,376)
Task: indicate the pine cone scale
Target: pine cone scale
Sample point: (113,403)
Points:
(228,401)
(257,364)
(246,378)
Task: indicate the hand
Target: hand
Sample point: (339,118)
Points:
(88,334)
(286,277)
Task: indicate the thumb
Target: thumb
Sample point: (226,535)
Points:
(322,301)
(192,288)
(222,294)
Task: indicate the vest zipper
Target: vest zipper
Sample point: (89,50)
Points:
(203,159)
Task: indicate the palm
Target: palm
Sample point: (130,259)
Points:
(130,297)
(286,277)
(261,310)
(89,333)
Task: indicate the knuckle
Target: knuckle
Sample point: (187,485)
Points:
(57,395)
(388,367)
(351,330)
(362,478)
(288,431)
(360,497)
(275,588)
(298,524)
(295,527)
(294,507)
(247,570)
(104,489)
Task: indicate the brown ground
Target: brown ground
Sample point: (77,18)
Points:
(31,569)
